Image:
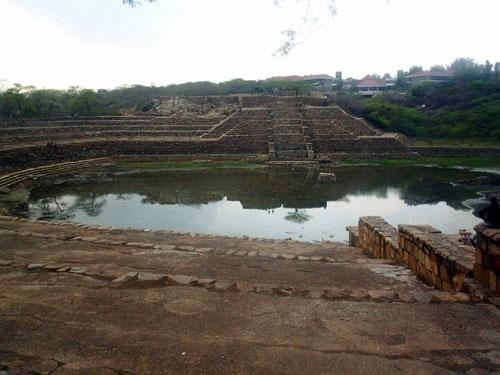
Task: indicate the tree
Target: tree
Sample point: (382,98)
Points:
(438,68)
(487,68)
(46,102)
(463,65)
(83,102)
(315,14)
(496,70)
(415,69)
(134,3)
(14,101)
(401,80)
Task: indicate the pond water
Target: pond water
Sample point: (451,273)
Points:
(269,202)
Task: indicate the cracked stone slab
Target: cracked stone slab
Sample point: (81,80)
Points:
(181,280)
(151,277)
(126,277)
(79,270)
(34,266)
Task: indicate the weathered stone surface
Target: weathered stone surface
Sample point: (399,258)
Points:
(186,248)
(4,262)
(382,294)
(283,292)
(78,269)
(34,266)
(359,294)
(406,297)
(151,277)
(203,250)
(221,286)
(439,296)
(126,277)
(206,282)
(88,239)
(142,245)
(303,258)
(287,256)
(52,267)
(181,280)
(168,247)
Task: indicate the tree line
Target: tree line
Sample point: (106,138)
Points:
(27,101)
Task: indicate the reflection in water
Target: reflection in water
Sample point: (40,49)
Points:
(298,216)
(268,203)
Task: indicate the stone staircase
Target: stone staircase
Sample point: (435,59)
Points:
(288,139)
(15,178)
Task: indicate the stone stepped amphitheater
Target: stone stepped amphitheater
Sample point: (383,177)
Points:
(234,127)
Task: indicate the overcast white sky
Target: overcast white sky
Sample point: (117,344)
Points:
(103,44)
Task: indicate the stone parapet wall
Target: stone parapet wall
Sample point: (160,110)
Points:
(378,238)
(487,264)
(430,254)
(455,151)
(435,258)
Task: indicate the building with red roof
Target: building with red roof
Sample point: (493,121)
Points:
(371,86)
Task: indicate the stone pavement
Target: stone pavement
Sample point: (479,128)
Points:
(96,300)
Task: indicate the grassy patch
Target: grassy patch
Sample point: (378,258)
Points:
(189,165)
(471,162)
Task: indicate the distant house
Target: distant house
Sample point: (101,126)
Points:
(371,86)
(428,76)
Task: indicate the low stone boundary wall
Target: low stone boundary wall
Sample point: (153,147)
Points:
(487,265)
(455,151)
(378,238)
(436,258)
(429,253)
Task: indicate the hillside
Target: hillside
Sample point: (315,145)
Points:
(465,107)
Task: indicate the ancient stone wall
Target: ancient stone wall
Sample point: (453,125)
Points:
(39,155)
(201,105)
(199,126)
(358,145)
(455,151)
(436,258)
(487,264)
(271,101)
(433,256)
(378,238)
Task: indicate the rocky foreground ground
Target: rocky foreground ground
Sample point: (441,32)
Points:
(95,300)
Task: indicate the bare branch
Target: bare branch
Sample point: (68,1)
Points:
(315,15)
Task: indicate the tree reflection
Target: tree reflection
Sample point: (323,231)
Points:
(298,216)
(65,207)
